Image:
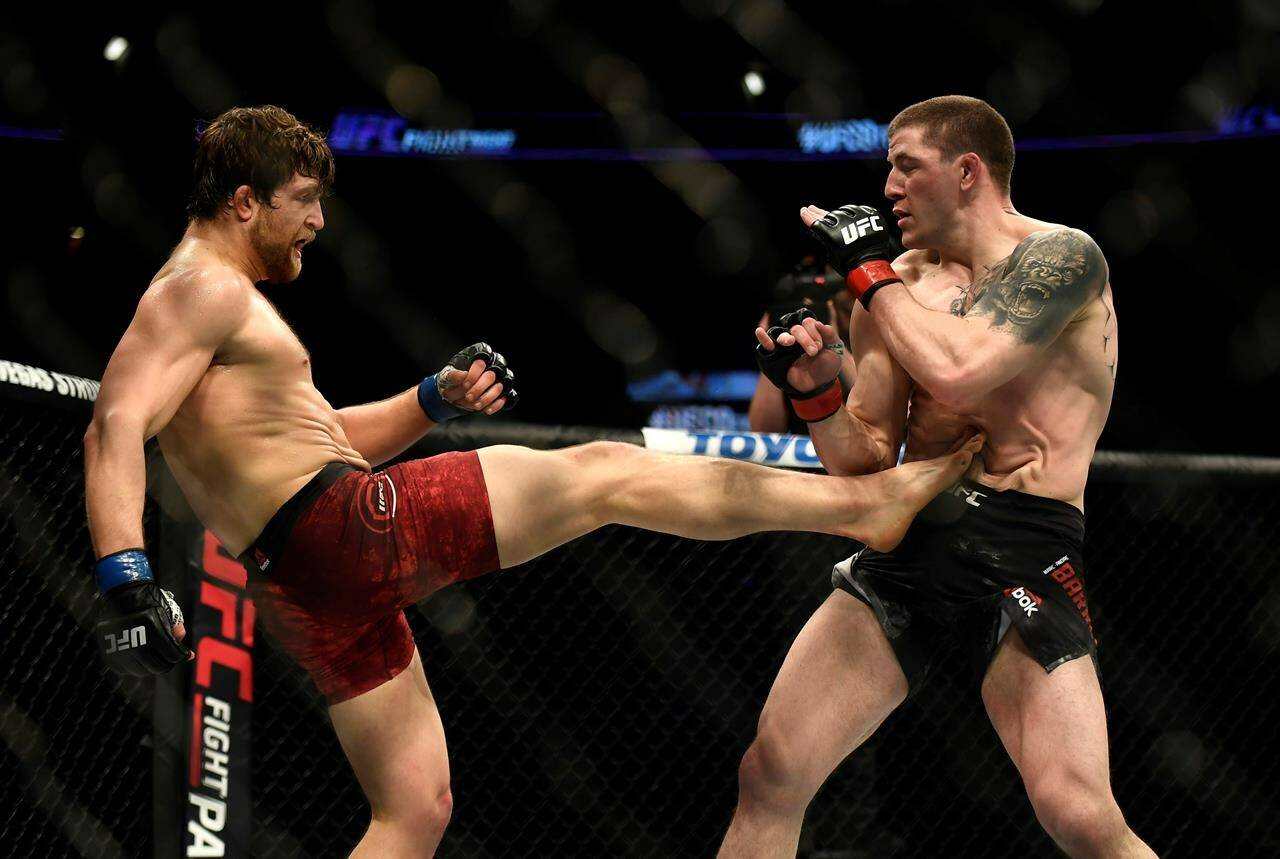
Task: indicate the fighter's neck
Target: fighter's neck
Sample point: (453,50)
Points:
(983,237)
(228,243)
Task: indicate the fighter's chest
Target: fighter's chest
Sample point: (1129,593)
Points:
(266,341)
(949,289)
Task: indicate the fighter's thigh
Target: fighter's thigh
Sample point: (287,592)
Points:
(540,499)
(1053,725)
(839,681)
(393,737)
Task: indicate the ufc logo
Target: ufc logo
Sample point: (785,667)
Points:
(970,498)
(860,228)
(127,640)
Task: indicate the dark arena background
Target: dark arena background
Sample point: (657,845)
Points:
(608,193)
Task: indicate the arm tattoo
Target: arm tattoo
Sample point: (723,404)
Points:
(971,292)
(1108,350)
(1042,285)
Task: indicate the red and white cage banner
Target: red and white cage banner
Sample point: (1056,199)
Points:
(219,704)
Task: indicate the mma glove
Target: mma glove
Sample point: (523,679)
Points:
(812,406)
(431,391)
(858,246)
(136,617)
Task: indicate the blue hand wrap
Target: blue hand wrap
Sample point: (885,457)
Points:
(433,402)
(121,568)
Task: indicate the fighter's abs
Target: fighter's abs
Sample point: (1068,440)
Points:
(253,430)
(1042,425)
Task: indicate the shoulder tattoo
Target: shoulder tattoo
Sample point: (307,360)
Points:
(1040,287)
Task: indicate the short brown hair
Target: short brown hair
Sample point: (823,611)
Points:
(957,124)
(262,147)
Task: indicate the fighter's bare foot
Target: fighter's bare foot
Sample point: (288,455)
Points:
(904,491)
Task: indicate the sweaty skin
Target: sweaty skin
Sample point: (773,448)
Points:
(1025,352)
(1001,322)
(1043,424)
(254,429)
(211,369)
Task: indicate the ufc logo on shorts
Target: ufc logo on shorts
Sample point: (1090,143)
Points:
(127,639)
(378,505)
(860,228)
(1027,601)
(970,498)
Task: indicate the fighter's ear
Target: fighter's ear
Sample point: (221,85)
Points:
(243,203)
(971,167)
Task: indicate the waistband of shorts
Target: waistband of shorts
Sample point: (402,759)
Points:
(270,543)
(1024,503)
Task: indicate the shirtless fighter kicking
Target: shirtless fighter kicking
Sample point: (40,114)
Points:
(990,319)
(336,550)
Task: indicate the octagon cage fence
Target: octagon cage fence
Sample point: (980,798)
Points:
(598,700)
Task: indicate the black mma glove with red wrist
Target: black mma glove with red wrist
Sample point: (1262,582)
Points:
(859,246)
(812,406)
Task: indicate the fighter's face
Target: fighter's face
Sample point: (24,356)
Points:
(924,188)
(280,231)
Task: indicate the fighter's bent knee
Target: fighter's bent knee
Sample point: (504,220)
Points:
(595,453)
(439,809)
(421,815)
(770,774)
(1083,823)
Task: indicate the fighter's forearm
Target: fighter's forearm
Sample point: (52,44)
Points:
(846,445)
(766,413)
(115,484)
(384,429)
(936,349)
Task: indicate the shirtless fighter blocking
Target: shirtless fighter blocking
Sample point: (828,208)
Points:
(335,549)
(992,320)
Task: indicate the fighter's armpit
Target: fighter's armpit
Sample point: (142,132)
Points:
(1042,285)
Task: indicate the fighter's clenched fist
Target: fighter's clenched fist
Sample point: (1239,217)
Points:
(857,245)
(476,379)
(802,357)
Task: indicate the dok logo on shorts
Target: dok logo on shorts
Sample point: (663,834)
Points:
(1027,601)
(378,504)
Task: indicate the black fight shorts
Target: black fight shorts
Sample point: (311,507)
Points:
(975,562)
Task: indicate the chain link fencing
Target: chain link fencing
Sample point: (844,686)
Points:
(75,740)
(597,700)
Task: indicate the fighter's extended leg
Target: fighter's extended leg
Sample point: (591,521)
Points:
(1055,729)
(838,683)
(541,499)
(394,739)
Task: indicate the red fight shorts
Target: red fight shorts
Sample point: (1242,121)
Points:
(334,568)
